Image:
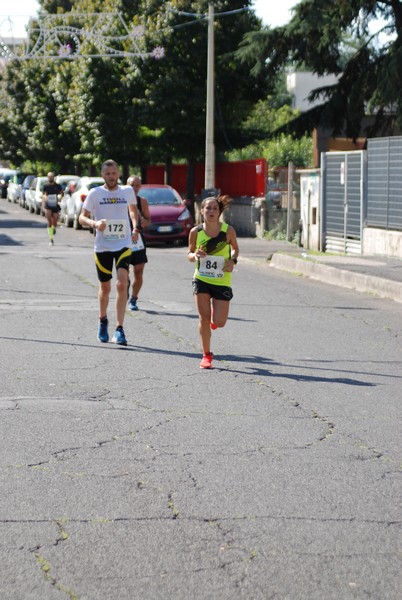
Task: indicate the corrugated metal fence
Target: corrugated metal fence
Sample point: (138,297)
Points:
(384,183)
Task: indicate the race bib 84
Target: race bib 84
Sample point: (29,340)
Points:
(211,266)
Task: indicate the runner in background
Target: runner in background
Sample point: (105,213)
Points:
(51,194)
(139,252)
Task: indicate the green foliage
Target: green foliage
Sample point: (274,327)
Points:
(278,151)
(138,110)
(275,234)
(266,118)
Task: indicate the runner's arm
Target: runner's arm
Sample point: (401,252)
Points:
(234,252)
(194,253)
(146,215)
(133,212)
(86,221)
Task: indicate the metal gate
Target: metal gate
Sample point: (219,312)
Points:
(343,191)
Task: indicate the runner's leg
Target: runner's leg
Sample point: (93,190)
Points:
(203,304)
(138,279)
(220,312)
(121,295)
(103,297)
(49,219)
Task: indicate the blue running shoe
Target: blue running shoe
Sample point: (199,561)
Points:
(119,337)
(132,305)
(103,335)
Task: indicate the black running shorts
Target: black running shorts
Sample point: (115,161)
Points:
(104,262)
(219,292)
(54,209)
(138,257)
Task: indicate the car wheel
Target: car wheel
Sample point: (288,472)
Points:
(67,221)
(31,209)
(37,211)
(77,225)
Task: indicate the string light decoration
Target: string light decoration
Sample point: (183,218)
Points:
(75,35)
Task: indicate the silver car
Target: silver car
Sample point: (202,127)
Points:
(68,183)
(14,188)
(33,195)
(74,204)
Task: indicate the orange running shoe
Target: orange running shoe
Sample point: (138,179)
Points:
(206,362)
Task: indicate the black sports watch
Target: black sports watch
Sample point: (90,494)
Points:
(234,260)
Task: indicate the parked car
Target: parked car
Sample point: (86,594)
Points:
(66,182)
(24,187)
(171,220)
(33,195)
(63,180)
(84,184)
(67,203)
(14,186)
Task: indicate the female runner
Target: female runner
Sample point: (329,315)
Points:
(213,247)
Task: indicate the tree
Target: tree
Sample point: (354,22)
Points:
(138,110)
(370,80)
(175,87)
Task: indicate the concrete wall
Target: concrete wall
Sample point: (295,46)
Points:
(381,241)
(243,214)
(251,217)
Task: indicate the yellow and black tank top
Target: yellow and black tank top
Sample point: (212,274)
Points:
(210,268)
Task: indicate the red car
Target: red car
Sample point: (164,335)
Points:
(170,218)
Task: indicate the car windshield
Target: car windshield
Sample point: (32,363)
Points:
(160,196)
(93,184)
(20,177)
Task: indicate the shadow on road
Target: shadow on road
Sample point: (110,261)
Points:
(220,362)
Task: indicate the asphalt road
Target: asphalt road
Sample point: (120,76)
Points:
(129,473)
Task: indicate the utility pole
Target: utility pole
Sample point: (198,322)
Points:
(209,182)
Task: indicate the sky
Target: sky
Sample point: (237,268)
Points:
(12,23)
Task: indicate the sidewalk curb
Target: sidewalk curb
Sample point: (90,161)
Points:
(341,277)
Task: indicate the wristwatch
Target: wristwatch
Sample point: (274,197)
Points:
(234,260)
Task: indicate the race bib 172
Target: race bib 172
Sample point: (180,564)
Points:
(115,230)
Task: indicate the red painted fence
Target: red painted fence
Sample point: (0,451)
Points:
(240,178)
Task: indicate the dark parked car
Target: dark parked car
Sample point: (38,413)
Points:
(6,176)
(171,220)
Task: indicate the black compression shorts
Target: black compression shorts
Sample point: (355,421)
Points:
(104,262)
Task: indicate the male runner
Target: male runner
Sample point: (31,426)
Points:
(139,254)
(108,209)
(51,194)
